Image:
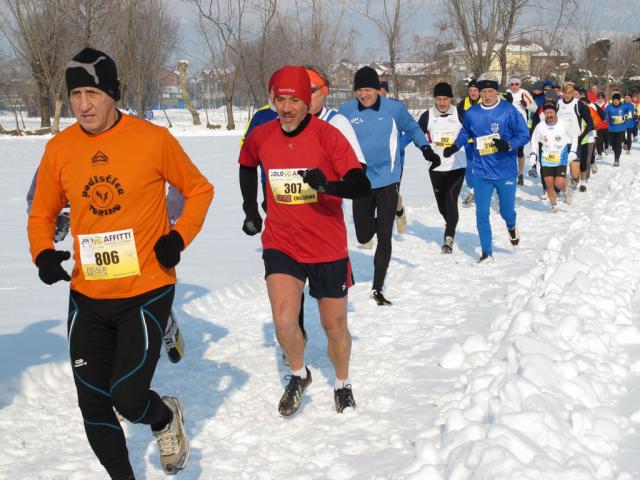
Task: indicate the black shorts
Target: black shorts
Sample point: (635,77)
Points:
(328,279)
(559,171)
(520,151)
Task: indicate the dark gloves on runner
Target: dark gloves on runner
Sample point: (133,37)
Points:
(315,178)
(448,151)
(502,145)
(168,248)
(252,223)
(49,269)
(430,156)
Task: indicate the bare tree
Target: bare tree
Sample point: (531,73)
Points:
(220,23)
(146,33)
(257,54)
(513,10)
(390,18)
(479,24)
(184,88)
(41,35)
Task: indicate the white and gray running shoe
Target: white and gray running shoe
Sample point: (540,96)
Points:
(172,440)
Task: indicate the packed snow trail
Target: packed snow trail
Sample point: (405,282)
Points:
(510,370)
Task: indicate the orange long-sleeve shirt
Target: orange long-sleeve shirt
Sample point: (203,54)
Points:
(115,182)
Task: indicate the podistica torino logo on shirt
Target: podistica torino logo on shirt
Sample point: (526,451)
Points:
(103,191)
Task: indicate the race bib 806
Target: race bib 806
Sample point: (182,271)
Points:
(108,255)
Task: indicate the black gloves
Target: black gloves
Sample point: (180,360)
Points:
(448,151)
(252,222)
(49,269)
(502,145)
(315,178)
(430,156)
(168,248)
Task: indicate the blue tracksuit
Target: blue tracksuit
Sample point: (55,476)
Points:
(380,130)
(616,117)
(494,170)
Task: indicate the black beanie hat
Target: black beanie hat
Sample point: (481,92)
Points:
(442,89)
(472,83)
(366,77)
(93,68)
(616,96)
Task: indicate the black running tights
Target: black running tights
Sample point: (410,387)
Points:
(616,139)
(114,346)
(629,138)
(374,215)
(446,188)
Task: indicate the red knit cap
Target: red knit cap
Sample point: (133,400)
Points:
(291,80)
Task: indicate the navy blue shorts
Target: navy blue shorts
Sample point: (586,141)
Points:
(328,279)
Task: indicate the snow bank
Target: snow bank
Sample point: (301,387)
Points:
(537,396)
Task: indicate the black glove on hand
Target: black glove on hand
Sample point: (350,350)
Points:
(430,156)
(252,223)
(315,178)
(448,151)
(502,145)
(168,248)
(49,269)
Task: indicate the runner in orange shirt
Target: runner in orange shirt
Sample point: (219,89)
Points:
(113,168)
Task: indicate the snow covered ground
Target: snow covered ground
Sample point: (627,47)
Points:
(524,369)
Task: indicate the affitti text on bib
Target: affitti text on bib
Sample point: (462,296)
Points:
(108,255)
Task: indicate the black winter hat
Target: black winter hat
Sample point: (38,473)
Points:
(550,104)
(93,68)
(442,89)
(366,77)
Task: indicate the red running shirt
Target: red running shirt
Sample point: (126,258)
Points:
(306,225)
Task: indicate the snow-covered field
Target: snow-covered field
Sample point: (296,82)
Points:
(524,369)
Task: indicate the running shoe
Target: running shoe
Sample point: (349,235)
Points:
(568,198)
(379,298)
(574,183)
(344,398)
(533,173)
(553,209)
(520,179)
(292,396)
(583,188)
(172,340)
(401,221)
(513,236)
(543,195)
(484,259)
(173,440)
(468,200)
(616,163)
(628,152)
(594,168)
(447,247)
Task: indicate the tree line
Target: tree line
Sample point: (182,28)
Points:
(244,41)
